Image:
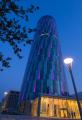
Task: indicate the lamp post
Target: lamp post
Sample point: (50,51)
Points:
(68,62)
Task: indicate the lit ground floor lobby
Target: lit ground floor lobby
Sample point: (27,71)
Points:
(55,107)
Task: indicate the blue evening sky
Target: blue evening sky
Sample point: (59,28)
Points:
(68,15)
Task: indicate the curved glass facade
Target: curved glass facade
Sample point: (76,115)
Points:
(44,72)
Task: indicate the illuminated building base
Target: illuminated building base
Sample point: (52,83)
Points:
(54,107)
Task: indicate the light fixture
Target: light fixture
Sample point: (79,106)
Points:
(68,61)
(5,93)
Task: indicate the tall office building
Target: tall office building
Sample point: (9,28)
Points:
(44,71)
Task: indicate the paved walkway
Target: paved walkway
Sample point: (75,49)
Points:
(22,117)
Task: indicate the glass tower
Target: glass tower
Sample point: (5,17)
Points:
(44,71)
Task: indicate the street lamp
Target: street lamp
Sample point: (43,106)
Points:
(5,93)
(68,62)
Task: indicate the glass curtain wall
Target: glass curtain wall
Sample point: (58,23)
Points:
(44,71)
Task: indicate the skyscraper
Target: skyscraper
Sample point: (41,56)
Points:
(44,71)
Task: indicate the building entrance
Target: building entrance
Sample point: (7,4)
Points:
(64,112)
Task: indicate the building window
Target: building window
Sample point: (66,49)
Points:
(43,110)
(38,74)
(55,110)
(48,110)
(34,87)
